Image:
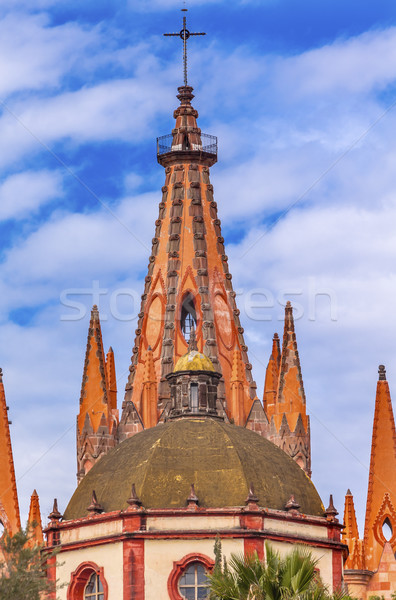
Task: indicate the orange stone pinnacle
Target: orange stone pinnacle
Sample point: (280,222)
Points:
(381,494)
(149,392)
(237,407)
(291,396)
(97,420)
(272,376)
(94,400)
(284,397)
(111,379)
(34,521)
(350,535)
(9,507)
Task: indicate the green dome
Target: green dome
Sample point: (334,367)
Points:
(220,459)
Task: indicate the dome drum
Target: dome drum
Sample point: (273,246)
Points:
(193,393)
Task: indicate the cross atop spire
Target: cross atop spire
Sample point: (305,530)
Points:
(184,34)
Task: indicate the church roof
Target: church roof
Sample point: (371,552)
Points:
(222,461)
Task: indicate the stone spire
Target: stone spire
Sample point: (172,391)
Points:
(34,521)
(97,420)
(381,495)
(350,535)
(9,507)
(272,376)
(111,379)
(149,392)
(237,392)
(188,283)
(289,422)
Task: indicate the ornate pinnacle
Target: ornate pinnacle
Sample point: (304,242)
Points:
(134,500)
(55,515)
(95,313)
(251,497)
(331,512)
(192,343)
(192,499)
(381,373)
(95,507)
(291,505)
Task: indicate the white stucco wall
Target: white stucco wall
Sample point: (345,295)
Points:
(290,527)
(108,556)
(160,555)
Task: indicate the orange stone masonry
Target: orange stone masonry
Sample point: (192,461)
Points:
(371,565)
(284,398)
(9,507)
(98,417)
(350,535)
(381,494)
(34,521)
(187,263)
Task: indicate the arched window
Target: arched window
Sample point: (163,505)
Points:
(387,529)
(187,580)
(88,583)
(188,316)
(194,397)
(193,584)
(94,588)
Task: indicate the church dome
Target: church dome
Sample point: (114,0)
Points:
(219,458)
(194,361)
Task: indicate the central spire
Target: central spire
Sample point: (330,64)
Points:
(188,287)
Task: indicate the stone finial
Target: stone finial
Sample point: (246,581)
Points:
(331,512)
(381,373)
(292,505)
(95,313)
(251,497)
(192,500)
(134,500)
(185,94)
(192,343)
(95,507)
(55,515)
(349,493)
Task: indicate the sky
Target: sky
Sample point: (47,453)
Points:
(302,97)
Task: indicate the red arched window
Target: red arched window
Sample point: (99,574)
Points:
(87,583)
(187,580)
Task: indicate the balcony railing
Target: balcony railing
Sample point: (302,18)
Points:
(209,145)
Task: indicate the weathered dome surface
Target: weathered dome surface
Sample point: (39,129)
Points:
(194,361)
(219,458)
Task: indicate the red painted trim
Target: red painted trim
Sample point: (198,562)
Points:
(79,579)
(252,545)
(178,569)
(337,571)
(204,534)
(183,512)
(133,570)
(51,575)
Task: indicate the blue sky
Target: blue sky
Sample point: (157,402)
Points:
(301,98)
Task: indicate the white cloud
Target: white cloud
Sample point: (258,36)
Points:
(358,65)
(23,194)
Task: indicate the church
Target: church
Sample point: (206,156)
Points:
(192,452)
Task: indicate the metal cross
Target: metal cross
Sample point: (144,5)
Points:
(184,34)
